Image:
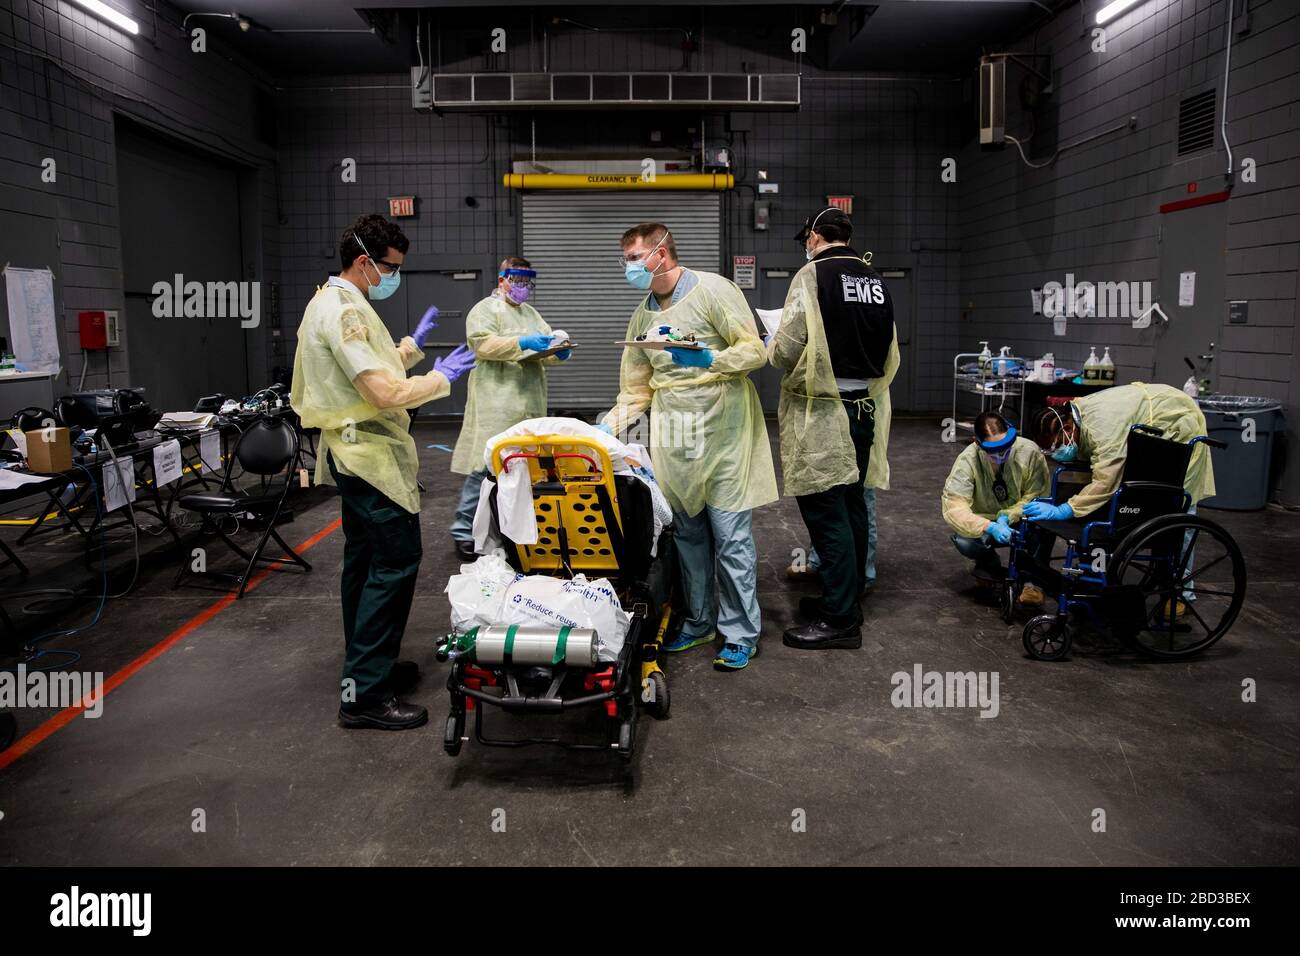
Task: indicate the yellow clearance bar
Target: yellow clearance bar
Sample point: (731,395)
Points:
(716,182)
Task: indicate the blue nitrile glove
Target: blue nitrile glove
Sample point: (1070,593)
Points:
(691,358)
(456,364)
(605,428)
(1046,511)
(427,324)
(999,531)
(563,354)
(534,343)
(665,329)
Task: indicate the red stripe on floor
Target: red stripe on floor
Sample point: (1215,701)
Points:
(118,678)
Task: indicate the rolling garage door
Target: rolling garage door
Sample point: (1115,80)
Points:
(572,240)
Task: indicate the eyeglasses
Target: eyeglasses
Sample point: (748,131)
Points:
(624,260)
(393,267)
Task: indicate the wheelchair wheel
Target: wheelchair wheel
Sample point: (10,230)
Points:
(1007,601)
(1193,582)
(1046,638)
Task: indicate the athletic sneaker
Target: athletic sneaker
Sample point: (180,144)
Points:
(684,642)
(733,657)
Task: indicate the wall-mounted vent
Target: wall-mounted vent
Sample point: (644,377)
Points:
(737,91)
(1196,123)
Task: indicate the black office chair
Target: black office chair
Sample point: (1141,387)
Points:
(267,448)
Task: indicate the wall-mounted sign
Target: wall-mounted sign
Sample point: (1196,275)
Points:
(1186,289)
(1238,311)
(743,270)
(843,203)
(401,207)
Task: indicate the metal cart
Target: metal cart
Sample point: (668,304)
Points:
(996,392)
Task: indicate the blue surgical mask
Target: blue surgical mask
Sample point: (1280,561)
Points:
(387,284)
(637,275)
(1065,453)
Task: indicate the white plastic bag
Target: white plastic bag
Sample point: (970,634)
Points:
(490,592)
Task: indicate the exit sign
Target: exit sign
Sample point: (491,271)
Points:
(401,207)
(843,203)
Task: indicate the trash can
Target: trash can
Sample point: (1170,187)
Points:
(1241,470)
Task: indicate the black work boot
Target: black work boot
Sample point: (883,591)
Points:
(823,635)
(390,714)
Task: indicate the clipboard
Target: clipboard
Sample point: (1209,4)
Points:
(537,356)
(659,345)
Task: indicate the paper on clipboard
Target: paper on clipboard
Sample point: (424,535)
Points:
(660,344)
(771,319)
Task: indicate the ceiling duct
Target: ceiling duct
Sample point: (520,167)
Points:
(471,91)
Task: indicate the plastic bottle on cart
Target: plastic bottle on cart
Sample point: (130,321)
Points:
(986,358)
(1049,368)
(1092,368)
(1002,364)
(1107,368)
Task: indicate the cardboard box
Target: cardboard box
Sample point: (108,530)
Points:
(49,450)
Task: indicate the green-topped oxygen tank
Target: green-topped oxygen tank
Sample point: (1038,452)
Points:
(530,644)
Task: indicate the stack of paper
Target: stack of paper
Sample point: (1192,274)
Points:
(190,421)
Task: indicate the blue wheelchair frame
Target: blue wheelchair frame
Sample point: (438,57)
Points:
(1077,568)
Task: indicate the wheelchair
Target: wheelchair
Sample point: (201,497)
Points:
(1164,582)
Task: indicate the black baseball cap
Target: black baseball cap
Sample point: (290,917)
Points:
(828,216)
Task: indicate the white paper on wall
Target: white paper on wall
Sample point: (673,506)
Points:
(33,324)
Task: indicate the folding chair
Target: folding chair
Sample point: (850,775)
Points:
(267,448)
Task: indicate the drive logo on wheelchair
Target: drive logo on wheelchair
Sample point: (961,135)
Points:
(1130,510)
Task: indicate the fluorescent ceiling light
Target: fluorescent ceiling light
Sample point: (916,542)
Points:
(105,12)
(1111,10)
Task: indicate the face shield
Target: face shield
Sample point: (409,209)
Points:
(999,449)
(520,283)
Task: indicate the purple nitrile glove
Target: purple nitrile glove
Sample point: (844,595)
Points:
(456,364)
(427,325)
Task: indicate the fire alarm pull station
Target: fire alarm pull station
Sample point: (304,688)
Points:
(98,330)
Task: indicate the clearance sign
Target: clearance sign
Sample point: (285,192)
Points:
(715,182)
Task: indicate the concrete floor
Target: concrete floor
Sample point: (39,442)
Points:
(237,719)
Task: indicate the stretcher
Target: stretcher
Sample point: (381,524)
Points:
(590,521)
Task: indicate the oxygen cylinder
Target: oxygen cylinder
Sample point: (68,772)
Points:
(529,644)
